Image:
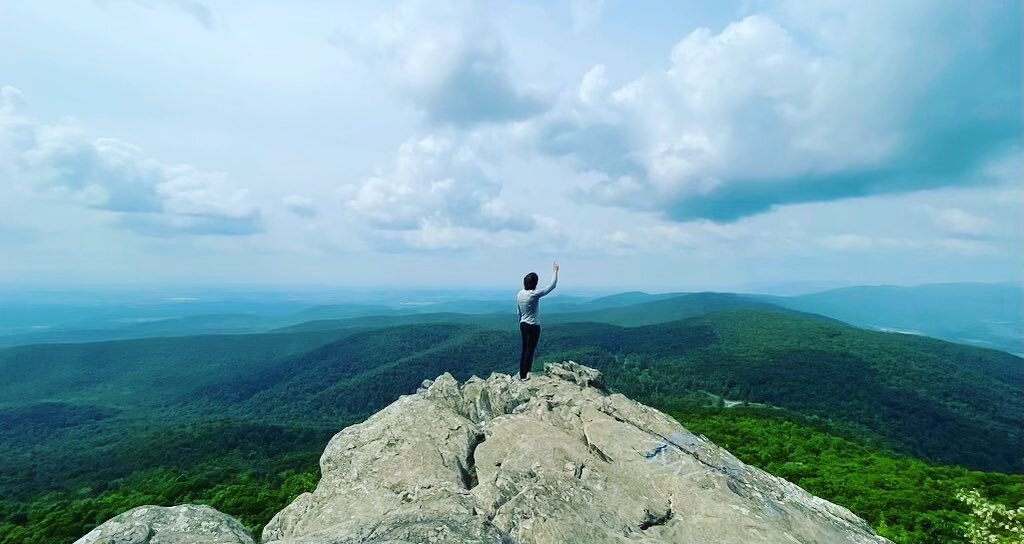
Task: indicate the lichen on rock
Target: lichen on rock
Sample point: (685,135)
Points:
(183,524)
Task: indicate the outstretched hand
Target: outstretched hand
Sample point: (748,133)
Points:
(554,266)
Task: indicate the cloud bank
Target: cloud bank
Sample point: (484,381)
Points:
(437,186)
(447,60)
(814,102)
(147,196)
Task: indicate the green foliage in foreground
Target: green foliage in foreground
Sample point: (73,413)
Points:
(903,498)
(992,522)
(251,491)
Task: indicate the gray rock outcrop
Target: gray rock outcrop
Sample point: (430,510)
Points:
(556,459)
(184,524)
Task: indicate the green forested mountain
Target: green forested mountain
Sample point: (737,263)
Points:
(665,309)
(938,400)
(128,374)
(88,430)
(615,310)
(985,315)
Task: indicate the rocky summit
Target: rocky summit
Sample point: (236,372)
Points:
(555,459)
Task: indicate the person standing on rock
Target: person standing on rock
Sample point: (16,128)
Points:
(527,303)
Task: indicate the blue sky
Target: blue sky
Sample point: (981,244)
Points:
(659,146)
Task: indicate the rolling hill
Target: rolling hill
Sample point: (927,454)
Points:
(917,394)
(985,315)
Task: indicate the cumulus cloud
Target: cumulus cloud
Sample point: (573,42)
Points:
(437,190)
(148,196)
(448,61)
(438,235)
(300,205)
(794,106)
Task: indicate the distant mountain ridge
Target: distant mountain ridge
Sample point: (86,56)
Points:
(981,314)
(986,315)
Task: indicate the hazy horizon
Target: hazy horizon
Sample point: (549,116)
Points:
(311,293)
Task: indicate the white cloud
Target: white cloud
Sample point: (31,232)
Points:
(439,235)
(753,117)
(148,196)
(658,238)
(439,190)
(966,248)
(594,86)
(858,243)
(447,60)
(300,205)
(12,102)
(957,221)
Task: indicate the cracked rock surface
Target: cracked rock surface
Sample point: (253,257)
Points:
(184,524)
(555,459)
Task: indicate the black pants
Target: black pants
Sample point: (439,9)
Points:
(531,333)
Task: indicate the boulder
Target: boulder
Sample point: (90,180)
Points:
(183,524)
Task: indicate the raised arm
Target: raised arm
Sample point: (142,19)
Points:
(554,281)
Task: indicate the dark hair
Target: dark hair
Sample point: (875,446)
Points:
(530,281)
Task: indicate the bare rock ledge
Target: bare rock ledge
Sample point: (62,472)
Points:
(556,459)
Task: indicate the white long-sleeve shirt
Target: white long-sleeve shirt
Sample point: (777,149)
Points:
(527,301)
